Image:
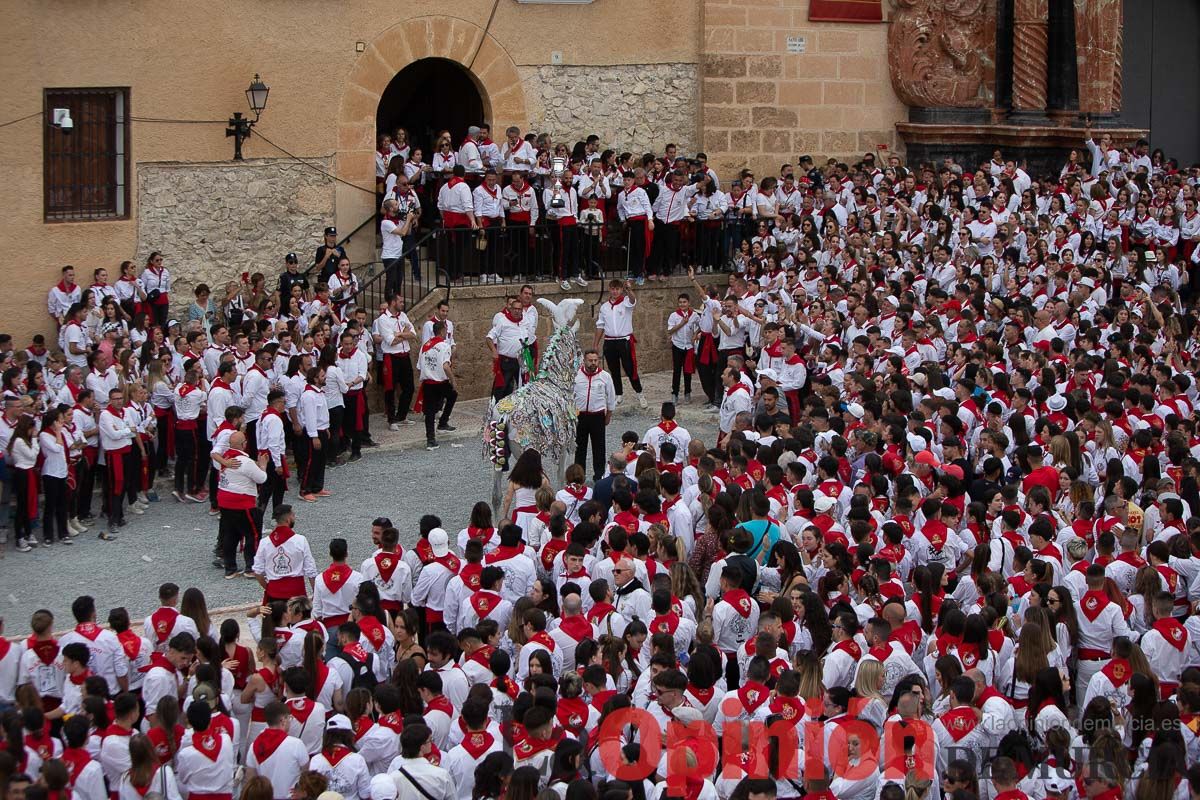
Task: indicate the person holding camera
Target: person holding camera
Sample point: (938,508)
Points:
(395,226)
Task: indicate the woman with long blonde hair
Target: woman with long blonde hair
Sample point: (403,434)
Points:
(868,683)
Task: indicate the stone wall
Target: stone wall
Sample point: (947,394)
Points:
(637,107)
(472,309)
(764,103)
(214,221)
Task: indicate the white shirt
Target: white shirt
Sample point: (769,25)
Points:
(434,782)
(594,393)
(389,327)
(314,411)
(469,157)
(732,404)
(282,767)
(432,362)
(522,202)
(456,197)
(523,151)
(107,657)
(487,201)
(508,336)
(633,203)
(616,319)
(290,559)
(682,338)
(198,773)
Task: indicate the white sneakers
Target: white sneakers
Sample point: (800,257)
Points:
(641,400)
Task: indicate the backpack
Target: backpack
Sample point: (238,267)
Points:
(363,671)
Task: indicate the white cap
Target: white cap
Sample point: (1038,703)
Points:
(946,393)
(1056,402)
(916,443)
(891,298)
(822,504)
(769,374)
(856,410)
(339,722)
(383,787)
(1087,283)
(439,542)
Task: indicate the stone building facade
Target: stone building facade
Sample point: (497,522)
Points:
(724,77)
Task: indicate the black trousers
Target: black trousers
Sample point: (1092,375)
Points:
(665,253)
(187,454)
(510,372)
(393,267)
(708,245)
(710,379)
(22,518)
(272,488)
(590,428)
(337,423)
(520,244)
(618,356)
(402,378)
(313,479)
(350,421)
(452,250)
(116,499)
(678,359)
(438,398)
(251,430)
(239,526)
(54,515)
(637,248)
(85,484)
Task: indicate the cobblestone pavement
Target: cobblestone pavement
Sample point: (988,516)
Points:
(173,541)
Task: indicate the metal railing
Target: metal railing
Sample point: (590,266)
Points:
(450,258)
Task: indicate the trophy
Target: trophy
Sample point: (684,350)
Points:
(558,167)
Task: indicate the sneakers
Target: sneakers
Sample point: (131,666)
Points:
(46,543)
(195,498)
(203,495)
(445,427)
(395,426)
(179,496)
(212,512)
(640,281)
(249,574)
(355,457)
(23,546)
(620,399)
(675,399)
(231,575)
(136,509)
(565,285)
(66,541)
(432,445)
(581,281)
(641,400)
(407,422)
(75,526)
(711,407)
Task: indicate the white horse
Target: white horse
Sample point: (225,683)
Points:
(541,414)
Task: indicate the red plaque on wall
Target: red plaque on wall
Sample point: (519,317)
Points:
(845,11)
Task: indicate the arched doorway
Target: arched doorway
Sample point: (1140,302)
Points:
(427,96)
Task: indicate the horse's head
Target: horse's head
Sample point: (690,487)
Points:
(563,313)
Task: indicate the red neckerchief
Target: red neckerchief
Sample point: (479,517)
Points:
(477,743)
(544,639)
(730,391)
(506,685)
(740,600)
(668,425)
(959,722)
(1174,633)
(335,576)
(76,758)
(511,318)
(470,576)
(479,534)
(550,551)
(160,661)
(424,551)
(362,726)
(163,620)
(599,611)
(504,553)
(614,303)
(753,694)
(850,648)
(455,181)
(386,562)
(267,743)
(131,643)
(393,721)
(89,630)
(483,655)
(343,353)
(531,746)
(1093,602)
(336,754)
(484,601)
(664,623)
(432,343)
(440,703)
(301,708)
(62,287)
(46,651)
(281,534)
(449,561)
(208,742)
(355,650)
(1118,672)
(374,631)
(577,627)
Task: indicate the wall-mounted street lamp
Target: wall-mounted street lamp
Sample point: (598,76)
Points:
(239,126)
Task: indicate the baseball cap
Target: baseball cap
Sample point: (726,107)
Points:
(856,410)
(954,470)
(928,458)
(171,323)
(823,503)
(339,722)
(331,231)
(439,542)
(291,258)
(769,374)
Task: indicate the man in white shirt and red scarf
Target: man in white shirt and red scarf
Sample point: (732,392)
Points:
(63,295)
(284,560)
(670,210)
(272,440)
(116,440)
(595,399)
(394,334)
(614,326)
(507,340)
(489,213)
(521,208)
(438,391)
(237,498)
(635,210)
(353,361)
(457,206)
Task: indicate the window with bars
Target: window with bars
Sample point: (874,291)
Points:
(86,171)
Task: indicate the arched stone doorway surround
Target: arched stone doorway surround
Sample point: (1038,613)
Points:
(438,36)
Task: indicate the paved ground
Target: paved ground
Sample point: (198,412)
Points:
(399,479)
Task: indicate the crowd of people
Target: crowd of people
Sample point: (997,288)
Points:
(944,541)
